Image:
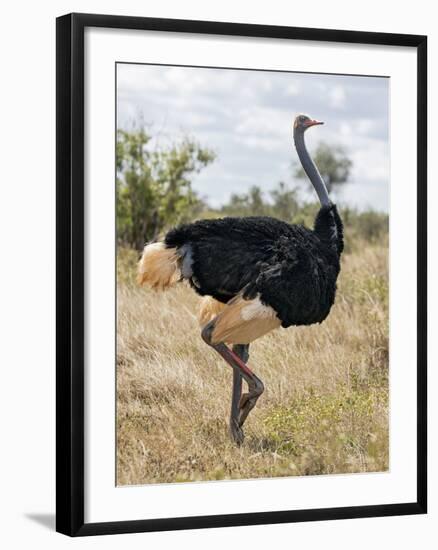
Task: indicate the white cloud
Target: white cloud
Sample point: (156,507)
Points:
(292,89)
(258,121)
(370,163)
(338,97)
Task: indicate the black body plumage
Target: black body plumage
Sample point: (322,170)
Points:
(292,268)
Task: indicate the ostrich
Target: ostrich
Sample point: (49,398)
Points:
(255,274)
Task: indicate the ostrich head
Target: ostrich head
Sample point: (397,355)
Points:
(302,122)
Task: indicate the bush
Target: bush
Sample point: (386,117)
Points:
(154,185)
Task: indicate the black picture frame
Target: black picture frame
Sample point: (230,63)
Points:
(70,272)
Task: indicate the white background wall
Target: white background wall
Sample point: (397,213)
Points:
(27,301)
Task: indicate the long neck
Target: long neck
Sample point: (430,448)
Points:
(310,168)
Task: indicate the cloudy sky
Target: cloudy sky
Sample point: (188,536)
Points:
(246,118)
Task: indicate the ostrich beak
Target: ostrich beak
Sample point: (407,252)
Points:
(313,123)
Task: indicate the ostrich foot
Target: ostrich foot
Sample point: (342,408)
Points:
(236,433)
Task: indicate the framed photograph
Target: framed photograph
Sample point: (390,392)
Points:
(241,274)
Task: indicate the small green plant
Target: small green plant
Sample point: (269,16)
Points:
(330,430)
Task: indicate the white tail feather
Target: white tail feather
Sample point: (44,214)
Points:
(158,267)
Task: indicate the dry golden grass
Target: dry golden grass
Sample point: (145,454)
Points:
(324,410)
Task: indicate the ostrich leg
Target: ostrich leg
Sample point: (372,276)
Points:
(241,350)
(255,385)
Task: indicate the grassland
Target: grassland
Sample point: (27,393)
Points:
(324,410)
